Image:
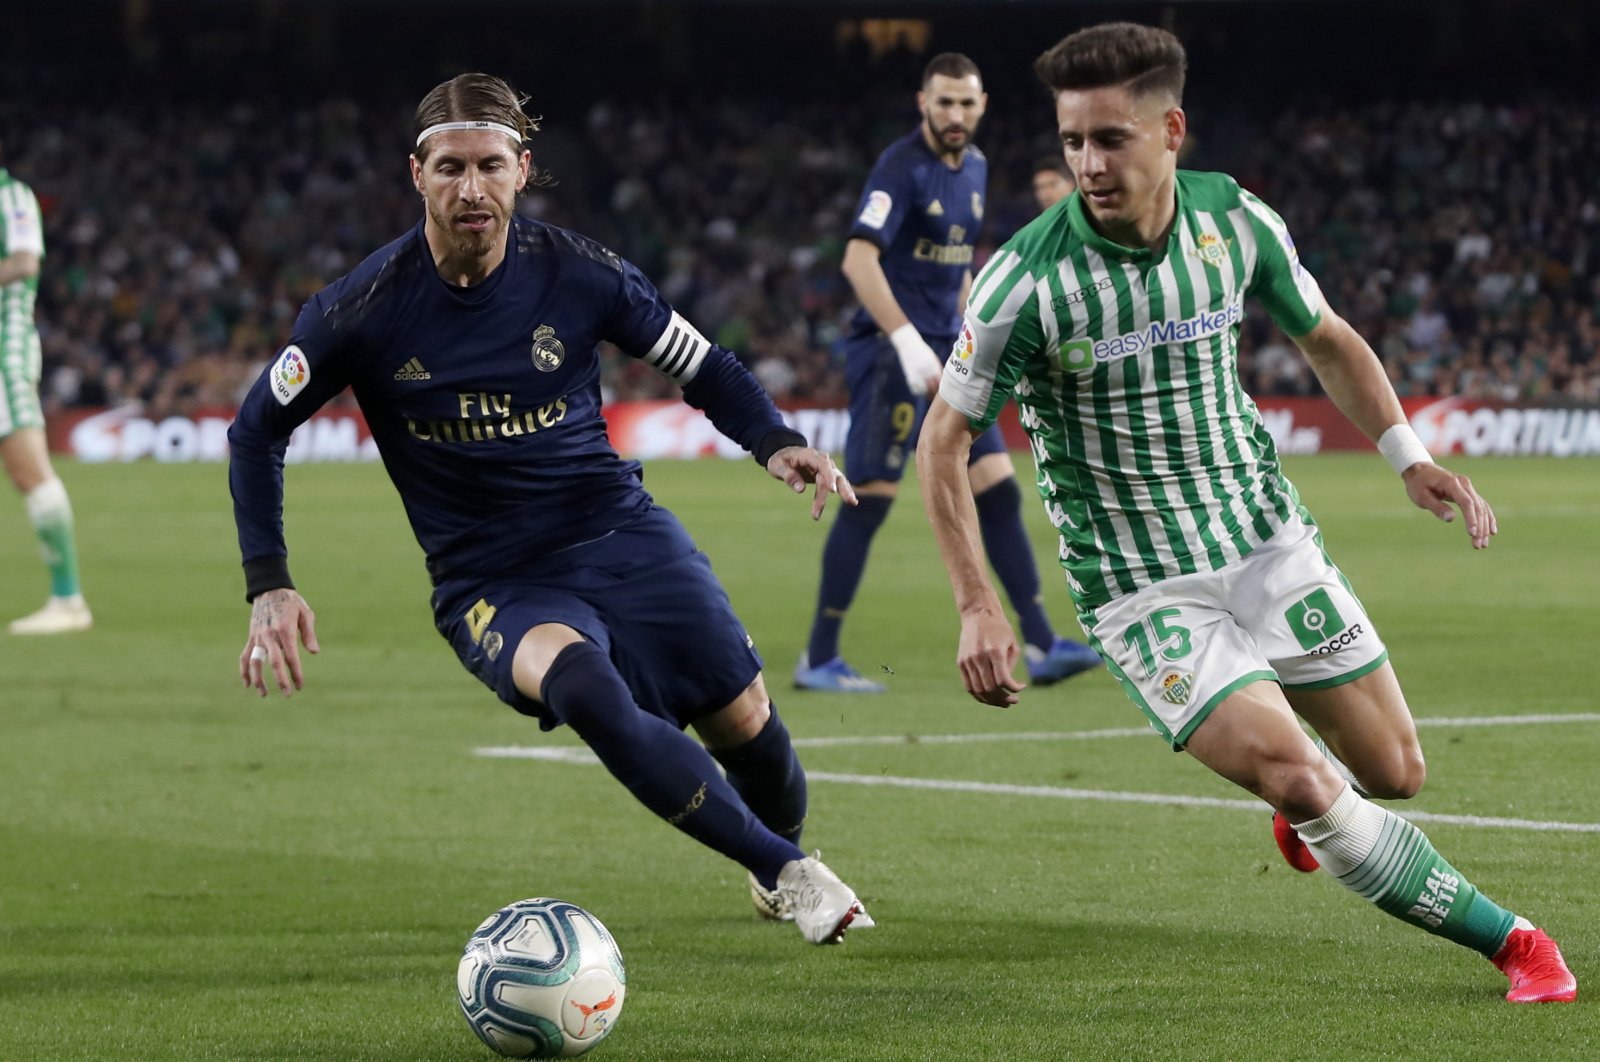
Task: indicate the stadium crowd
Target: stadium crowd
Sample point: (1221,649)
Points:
(1462,240)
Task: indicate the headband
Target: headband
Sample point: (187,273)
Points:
(446,127)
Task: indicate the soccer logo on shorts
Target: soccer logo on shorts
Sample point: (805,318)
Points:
(1314,620)
(1175,688)
(548,353)
(290,374)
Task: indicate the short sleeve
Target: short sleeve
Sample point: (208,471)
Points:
(1280,282)
(999,334)
(23,228)
(883,204)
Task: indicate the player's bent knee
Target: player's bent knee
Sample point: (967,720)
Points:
(1399,777)
(1300,789)
(536,651)
(738,722)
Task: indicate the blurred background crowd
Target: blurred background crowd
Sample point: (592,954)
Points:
(200,179)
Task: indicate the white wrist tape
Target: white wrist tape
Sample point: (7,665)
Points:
(1401,447)
(917,359)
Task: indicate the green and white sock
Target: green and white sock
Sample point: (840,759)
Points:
(51,514)
(1379,855)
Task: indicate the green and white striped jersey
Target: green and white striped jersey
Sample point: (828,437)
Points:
(1151,459)
(21,229)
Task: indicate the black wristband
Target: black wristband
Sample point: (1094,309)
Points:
(774,441)
(266,573)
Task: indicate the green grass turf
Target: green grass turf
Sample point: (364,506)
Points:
(187,872)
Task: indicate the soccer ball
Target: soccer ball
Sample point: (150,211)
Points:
(541,979)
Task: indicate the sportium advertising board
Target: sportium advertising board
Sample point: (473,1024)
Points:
(1448,426)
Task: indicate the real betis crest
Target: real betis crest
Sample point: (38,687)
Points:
(1175,688)
(1211,249)
(548,353)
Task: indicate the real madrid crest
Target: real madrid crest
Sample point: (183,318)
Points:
(548,353)
(977,206)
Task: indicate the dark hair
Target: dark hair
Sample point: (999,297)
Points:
(1052,162)
(1142,58)
(950,64)
(475,98)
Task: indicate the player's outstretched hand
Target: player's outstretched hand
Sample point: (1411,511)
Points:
(987,658)
(799,465)
(1435,489)
(279,621)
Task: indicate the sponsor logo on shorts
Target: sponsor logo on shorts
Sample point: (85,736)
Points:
(1340,642)
(1319,628)
(1175,688)
(289,375)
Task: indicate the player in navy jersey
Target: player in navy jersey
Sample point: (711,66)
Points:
(470,344)
(909,260)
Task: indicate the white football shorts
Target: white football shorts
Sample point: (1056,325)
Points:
(1284,613)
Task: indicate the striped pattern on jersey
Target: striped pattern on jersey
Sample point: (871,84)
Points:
(1151,460)
(680,350)
(20,230)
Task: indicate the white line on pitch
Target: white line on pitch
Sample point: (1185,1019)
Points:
(569,754)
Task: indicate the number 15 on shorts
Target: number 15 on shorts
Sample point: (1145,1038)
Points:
(1156,633)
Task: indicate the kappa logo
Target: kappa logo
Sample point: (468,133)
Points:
(412,370)
(548,353)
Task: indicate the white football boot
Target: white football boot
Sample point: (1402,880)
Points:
(822,906)
(768,903)
(60,615)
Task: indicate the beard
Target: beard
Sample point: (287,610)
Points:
(937,133)
(465,244)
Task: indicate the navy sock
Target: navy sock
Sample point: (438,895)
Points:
(667,770)
(844,559)
(1005,540)
(766,772)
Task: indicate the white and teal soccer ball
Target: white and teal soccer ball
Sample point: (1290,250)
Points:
(541,979)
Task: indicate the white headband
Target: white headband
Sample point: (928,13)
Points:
(446,127)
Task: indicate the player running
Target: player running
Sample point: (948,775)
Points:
(470,344)
(1198,573)
(909,261)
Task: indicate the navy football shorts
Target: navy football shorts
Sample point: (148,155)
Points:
(643,593)
(885,417)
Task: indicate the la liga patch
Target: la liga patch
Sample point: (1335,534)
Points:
(289,374)
(876,212)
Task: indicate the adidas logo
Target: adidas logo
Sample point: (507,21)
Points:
(413,370)
(935,209)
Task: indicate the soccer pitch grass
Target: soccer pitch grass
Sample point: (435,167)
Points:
(188,872)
